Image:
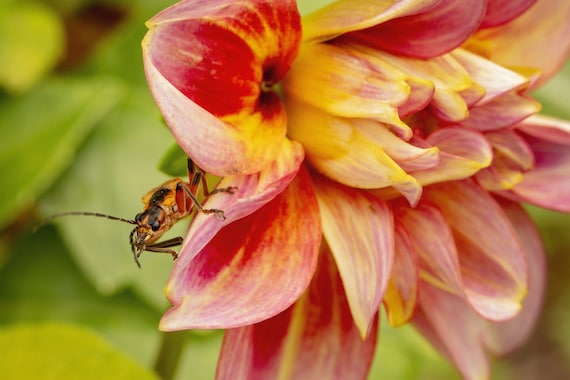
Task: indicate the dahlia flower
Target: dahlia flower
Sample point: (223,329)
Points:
(381,150)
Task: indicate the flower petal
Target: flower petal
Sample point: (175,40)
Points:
(548,184)
(491,256)
(253,192)
(461,335)
(454,329)
(504,337)
(214,99)
(499,12)
(546,41)
(462,153)
(433,242)
(547,128)
(253,269)
(431,33)
(449,77)
(348,15)
(349,84)
(359,230)
(513,157)
(495,79)
(501,112)
(337,148)
(402,292)
(316,338)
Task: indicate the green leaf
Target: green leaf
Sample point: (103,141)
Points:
(62,351)
(174,162)
(32,43)
(116,167)
(41,133)
(41,283)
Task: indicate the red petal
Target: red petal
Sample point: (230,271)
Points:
(253,192)
(499,12)
(207,64)
(253,269)
(431,33)
(360,233)
(314,339)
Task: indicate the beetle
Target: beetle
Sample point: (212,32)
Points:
(164,205)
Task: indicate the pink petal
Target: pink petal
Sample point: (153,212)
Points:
(495,79)
(433,32)
(433,242)
(359,230)
(253,269)
(348,15)
(401,295)
(504,337)
(206,65)
(463,336)
(316,338)
(501,112)
(491,256)
(499,12)
(539,38)
(462,154)
(513,157)
(548,184)
(547,128)
(452,327)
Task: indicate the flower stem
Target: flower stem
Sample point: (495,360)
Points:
(171,349)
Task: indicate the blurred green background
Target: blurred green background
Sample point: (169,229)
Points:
(79,131)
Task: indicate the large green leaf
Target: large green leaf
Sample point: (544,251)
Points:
(61,351)
(41,133)
(41,283)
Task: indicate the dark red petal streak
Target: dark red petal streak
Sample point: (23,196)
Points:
(428,34)
(219,53)
(316,338)
(254,268)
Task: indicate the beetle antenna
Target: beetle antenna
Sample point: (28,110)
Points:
(82,213)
